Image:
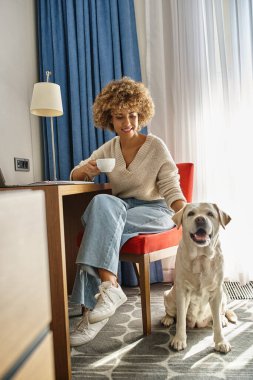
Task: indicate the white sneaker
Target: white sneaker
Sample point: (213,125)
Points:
(84,332)
(109,299)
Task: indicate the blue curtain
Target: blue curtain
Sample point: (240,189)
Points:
(85,44)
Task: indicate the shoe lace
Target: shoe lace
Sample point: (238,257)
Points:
(82,325)
(104,294)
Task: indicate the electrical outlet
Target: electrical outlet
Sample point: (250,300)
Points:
(22,164)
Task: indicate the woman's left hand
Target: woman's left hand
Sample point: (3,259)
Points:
(177,205)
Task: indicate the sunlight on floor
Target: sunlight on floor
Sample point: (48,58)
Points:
(242,360)
(238,329)
(115,355)
(200,346)
(208,341)
(204,360)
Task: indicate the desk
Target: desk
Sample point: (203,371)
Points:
(64,207)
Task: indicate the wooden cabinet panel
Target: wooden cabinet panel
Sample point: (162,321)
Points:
(40,365)
(24,273)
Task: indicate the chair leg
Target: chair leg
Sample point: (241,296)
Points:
(144,276)
(137,272)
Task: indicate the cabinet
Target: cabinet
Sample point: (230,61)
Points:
(26,349)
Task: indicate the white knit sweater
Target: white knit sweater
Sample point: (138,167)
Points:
(151,175)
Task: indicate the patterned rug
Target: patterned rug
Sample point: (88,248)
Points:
(121,352)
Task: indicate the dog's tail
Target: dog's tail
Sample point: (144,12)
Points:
(231,316)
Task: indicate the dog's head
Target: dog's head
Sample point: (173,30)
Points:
(201,222)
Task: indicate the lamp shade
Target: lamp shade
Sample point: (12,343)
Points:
(46,100)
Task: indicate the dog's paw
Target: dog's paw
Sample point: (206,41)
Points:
(223,346)
(224,321)
(178,343)
(231,316)
(167,321)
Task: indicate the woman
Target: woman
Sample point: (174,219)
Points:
(145,192)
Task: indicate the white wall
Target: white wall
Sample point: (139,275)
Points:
(20,132)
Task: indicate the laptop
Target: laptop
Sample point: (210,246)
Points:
(3,184)
(2,179)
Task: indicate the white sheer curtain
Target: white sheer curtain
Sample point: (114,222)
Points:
(199,70)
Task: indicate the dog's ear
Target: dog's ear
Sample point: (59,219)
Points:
(223,217)
(178,216)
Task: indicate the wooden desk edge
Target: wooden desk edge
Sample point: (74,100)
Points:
(63,189)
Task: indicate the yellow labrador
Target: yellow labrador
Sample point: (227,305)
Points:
(197,297)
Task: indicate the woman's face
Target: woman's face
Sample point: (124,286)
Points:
(125,122)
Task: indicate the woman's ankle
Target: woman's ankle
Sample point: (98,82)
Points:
(105,275)
(85,310)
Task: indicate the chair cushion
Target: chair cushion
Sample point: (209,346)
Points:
(147,243)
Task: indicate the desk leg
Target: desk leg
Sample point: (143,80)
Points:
(58,283)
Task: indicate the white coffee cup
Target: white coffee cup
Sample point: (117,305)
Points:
(105,165)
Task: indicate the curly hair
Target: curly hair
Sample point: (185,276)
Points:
(122,94)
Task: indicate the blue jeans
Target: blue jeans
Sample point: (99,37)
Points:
(109,222)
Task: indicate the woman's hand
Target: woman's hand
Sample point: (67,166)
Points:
(177,205)
(90,169)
